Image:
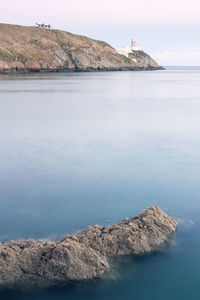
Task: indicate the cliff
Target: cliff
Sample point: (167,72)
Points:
(144,60)
(87,254)
(34,49)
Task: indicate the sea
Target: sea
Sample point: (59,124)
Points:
(79,149)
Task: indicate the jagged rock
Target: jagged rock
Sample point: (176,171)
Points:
(86,254)
(35,49)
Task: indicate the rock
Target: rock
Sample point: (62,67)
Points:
(34,49)
(85,255)
(144,60)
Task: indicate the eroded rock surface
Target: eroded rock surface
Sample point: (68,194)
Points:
(86,254)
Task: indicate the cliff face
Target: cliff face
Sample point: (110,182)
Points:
(87,254)
(144,60)
(29,49)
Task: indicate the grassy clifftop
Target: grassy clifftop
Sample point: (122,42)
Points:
(28,49)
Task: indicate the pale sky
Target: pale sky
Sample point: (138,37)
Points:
(168,30)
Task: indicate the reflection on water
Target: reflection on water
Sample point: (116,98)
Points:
(85,148)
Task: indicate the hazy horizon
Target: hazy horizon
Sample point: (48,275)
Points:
(167,31)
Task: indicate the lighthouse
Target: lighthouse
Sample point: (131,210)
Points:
(133,43)
(126,51)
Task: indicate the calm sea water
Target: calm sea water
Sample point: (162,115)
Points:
(86,148)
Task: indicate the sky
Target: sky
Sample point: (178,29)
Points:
(167,30)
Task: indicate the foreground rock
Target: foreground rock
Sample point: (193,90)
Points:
(33,49)
(85,255)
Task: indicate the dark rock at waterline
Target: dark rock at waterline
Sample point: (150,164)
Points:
(85,255)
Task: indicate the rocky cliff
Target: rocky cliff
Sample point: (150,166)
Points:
(87,254)
(144,60)
(35,49)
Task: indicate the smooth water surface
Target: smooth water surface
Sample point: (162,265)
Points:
(86,148)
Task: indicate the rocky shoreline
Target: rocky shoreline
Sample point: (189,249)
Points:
(32,71)
(87,254)
(64,70)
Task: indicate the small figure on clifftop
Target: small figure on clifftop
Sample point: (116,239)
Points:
(44,26)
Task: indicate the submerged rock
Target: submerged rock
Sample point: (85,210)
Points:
(85,255)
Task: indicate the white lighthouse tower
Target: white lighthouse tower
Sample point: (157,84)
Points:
(134,47)
(133,43)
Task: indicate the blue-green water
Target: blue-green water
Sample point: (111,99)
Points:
(86,148)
